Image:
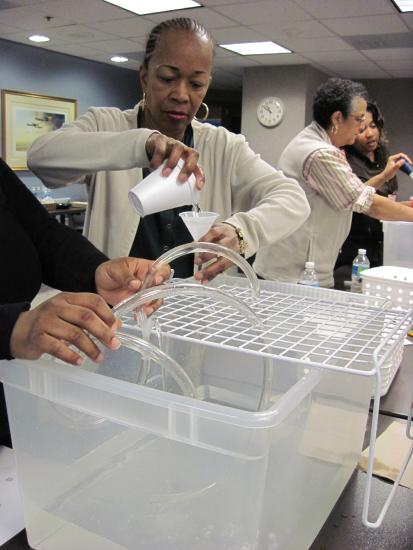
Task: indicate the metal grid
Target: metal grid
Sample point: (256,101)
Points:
(316,330)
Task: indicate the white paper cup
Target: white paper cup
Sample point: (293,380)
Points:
(156,192)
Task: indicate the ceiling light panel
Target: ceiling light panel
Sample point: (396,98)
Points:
(39,38)
(119,59)
(404,5)
(144,7)
(255,48)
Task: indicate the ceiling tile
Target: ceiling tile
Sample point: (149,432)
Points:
(132,64)
(116,46)
(253,13)
(82,11)
(361,74)
(396,64)
(342,55)
(389,53)
(279,59)
(363,64)
(125,28)
(209,18)
(7,29)
(316,44)
(222,2)
(75,34)
(236,61)
(298,29)
(75,49)
(237,34)
(408,19)
(27,18)
(342,8)
(374,24)
(18,3)
(373,45)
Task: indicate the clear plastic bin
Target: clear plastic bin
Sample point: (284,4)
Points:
(106,464)
(397,244)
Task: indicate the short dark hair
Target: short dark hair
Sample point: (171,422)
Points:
(185,24)
(336,94)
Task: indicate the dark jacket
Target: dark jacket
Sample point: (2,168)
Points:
(35,249)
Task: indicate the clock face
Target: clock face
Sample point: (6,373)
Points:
(270,112)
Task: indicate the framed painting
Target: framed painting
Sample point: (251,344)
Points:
(25,117)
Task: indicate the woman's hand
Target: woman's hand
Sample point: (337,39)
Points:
(160,147)
(118,279)
(225,235)
(394,162)
(64,320)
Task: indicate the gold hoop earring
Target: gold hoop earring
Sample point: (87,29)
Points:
(334,130)
(142,102)
(205,106)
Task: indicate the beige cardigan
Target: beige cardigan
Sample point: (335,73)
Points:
(105,149)
(319,239)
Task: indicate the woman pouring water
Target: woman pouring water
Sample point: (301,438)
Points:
(111,151)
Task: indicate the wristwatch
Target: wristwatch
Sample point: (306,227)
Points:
(241,240)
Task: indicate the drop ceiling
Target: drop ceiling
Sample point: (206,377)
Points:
(348,38)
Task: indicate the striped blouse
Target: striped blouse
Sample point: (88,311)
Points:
(328,173)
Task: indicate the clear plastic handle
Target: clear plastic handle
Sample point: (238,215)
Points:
(172,289)
(214,248)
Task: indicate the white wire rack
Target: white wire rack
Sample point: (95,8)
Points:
(325,329)
(319,330)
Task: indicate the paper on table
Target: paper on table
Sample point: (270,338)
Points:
(11,512)
(331,433)
(391,448)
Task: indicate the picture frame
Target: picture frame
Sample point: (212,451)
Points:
(26,116)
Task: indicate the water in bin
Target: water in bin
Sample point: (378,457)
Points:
(176,288)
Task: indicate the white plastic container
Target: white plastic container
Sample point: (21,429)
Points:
(105,464)
(390,282)
(398,243)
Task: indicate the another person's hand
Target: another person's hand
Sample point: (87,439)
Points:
(394,162)
(225,235)
(160,148)
(65,320)
(118,279)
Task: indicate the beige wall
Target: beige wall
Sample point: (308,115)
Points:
(295,86)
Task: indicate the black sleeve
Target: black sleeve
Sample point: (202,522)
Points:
(8,316)
(68,260)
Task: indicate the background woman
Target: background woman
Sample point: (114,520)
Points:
(314,157)
(368,157)
(106,148)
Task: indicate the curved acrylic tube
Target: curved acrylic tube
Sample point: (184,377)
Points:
(171,289)
(162,359)
(218,250)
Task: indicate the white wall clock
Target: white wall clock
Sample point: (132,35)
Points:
(270,112)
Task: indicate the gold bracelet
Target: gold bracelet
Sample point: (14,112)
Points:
(242,243)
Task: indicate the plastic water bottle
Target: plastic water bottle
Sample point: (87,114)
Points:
(407,168)
(360,263)
(309,276)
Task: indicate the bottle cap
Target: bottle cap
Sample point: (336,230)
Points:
(309,265)
(362,251)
